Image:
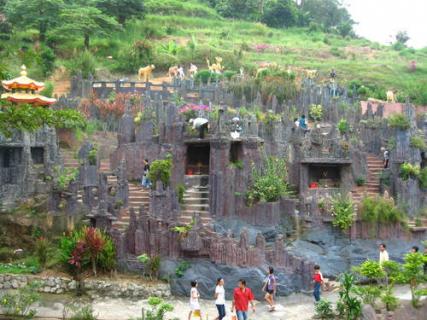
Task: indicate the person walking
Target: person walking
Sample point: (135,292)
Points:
(194,302)
(269,288)
(386,156)
(242,296)
(146,183)
(383,254)
(220,298)
(318,281)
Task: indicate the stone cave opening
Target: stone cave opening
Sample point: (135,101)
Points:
(198,157)
(325,175)
(37,155)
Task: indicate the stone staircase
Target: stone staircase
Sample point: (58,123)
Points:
(196,200)
(372,184)
(137,196)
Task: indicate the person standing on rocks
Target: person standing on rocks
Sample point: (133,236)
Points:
(269,288)
(194,301)
(220,298)
(242,296)
(383,254)
(318,280)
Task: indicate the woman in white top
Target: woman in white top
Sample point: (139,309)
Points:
(194,301)
(220,298)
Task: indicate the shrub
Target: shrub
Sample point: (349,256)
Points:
(41,250)
(158,309)
(134,56)
(182,267)
(323,310)
(48,89)
(19,304)
(205,76)
(316,112)
(398,120)
(360,181)
(161,170)
(413,273)
(380,209)
(47,57)
(229,74)
(84,63)
(92,156)
(83,313)
(151,265)
(390,301)
(349,307)
(343,126)
(180,190)
(422,178)
(65,177)
(269,182)
(6,254)
(408,170)
(418,142)
(342,211)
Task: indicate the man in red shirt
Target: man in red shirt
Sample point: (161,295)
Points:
(242,296)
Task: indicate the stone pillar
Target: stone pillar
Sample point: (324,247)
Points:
(219,162)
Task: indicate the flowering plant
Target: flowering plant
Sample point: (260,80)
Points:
(190,110)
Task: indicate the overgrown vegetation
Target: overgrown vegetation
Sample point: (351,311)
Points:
(399,120)
(268,182)
(381,209)
(342,210)
(151,265)
(418,142)
(19,304)
(161,170)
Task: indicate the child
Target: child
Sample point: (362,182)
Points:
(270,289)
(194,301)
(318,280)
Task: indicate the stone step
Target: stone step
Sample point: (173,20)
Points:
(197,207)
(196,200)
(139,198)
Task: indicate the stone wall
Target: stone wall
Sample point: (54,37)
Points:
(94,288)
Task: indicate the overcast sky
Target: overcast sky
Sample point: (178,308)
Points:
(380,20)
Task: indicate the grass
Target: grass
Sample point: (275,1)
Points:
(25,266)
(298,48)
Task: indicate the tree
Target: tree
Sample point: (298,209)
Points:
(280,14)
(122,9)
(413,273)
(242,9)
(402,37)
(328,13)
(40,14)
(87,22)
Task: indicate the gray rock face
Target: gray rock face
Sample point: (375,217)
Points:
(206,274)
(335,253)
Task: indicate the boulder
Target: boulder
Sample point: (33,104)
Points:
(368,313)
(206,273)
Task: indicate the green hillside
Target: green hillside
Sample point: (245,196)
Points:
(182,32)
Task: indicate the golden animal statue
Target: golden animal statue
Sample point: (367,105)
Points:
(215,67)
(173,72)
(391,97)
(146,72)
(311,74)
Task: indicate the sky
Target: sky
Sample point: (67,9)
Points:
(380,20)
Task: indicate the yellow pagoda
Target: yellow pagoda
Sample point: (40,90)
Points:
(25,90)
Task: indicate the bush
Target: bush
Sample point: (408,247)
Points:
(19,304)
(360,181)
(161,170)
(41,250)
(343,126)
(84,63)
(83,313)
(48,90)
(134,56)
(316,112)
(229,74)
(6,254)
(398,120)
(390,301)
(422,178)
(268,183)
(349,307)
(182,267)
(418,142)
(180,190)
(342,211)
(205,76)
(323,310)
(408,170)
(380,209)
(92,156)
(158,309)
(151,265)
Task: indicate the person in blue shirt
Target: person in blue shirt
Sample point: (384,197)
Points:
(303,123)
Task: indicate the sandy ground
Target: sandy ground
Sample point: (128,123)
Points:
(294,307)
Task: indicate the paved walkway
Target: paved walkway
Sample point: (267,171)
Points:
(294,307)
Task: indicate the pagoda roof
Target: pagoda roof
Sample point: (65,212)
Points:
(23,97)
(23,82)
